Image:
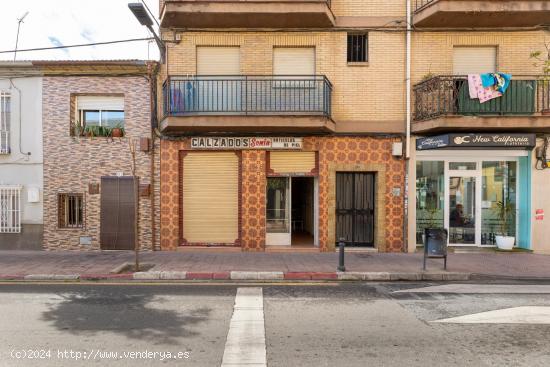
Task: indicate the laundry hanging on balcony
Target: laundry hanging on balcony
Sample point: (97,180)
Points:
(488,86)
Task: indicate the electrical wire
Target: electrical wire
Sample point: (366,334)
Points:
(79,45)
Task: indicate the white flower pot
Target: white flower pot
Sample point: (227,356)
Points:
(505,242)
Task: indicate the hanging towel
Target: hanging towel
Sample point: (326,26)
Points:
(477,90)
(497,81)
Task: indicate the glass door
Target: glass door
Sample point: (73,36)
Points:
(463,203)
(278,214)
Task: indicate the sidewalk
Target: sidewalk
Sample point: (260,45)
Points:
(65,265)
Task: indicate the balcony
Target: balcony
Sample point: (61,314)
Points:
(443,103)
(247,14)
(278,104)
(480,13)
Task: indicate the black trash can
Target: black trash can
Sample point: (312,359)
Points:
(435,244)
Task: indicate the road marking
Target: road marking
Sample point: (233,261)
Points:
(514,315)
(482,288)
(245,344)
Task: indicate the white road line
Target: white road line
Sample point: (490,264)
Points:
(482,288)
(513,315)
(245,344)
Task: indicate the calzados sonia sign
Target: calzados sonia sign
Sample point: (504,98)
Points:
(486,140)
(246,143)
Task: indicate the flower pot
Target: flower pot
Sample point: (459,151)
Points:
(505,242)
(117,133)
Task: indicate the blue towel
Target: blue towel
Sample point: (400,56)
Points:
(500,81)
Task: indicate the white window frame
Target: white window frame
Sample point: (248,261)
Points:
(10,208)
(5,123)
(97,107)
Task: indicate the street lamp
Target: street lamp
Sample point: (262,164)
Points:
(144,19)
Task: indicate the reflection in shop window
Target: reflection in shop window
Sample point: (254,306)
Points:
(277,213)
(499,185)
(429,196)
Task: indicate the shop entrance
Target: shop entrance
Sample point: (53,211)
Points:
(291,211)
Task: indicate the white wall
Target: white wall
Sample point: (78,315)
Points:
(540,229)
(17,168)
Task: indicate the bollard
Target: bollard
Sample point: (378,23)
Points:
(341,244)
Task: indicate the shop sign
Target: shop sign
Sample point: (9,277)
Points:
(223,143)
(485,140)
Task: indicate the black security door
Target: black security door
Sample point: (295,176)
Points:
(355,208)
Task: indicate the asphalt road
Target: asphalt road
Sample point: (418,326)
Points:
(330,324)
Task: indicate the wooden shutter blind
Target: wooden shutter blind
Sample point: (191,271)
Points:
(292,162)
(118,212)
(210,197)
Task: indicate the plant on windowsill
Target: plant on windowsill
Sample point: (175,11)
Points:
(542,60)
(77,130)
(505,212)
(117,131)
(92,131)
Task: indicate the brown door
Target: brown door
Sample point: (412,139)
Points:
(118,212)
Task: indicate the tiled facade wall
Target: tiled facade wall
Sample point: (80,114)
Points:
(70,164)
(432,52)
(335,154)
(373,92)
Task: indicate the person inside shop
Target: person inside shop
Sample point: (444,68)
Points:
(457,218)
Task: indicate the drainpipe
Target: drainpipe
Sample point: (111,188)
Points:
(408,127)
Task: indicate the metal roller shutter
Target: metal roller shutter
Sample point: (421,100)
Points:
(210,197)
(474,60)
(294,61)
(218,60)
(100,103)
(292,162)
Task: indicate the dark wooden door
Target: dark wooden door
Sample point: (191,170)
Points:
(118,212)
(355,208)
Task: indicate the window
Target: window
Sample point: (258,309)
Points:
(10,209)
(358,48)
(474,60)
(105,111)
(218,61)
(294,61)
(5,115)
(70,208)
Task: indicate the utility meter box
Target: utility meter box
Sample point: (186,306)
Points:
(33,195)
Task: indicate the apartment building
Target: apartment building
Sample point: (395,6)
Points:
(21,195)
(471,157)
(282,124)
(99,160)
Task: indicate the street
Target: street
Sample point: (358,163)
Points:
(299,324)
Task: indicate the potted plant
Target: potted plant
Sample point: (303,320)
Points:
(77,129)
(505,214)
(542,59)
(117,131)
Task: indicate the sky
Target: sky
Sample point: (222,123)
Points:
(66,22)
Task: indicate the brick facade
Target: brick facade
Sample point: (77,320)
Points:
(71,164)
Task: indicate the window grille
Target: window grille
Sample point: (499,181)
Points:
(5,115)
(70,208)
(10,209)
(357,48)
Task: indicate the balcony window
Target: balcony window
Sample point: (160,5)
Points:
(5,116)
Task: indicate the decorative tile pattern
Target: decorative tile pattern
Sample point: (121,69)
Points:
(335,154)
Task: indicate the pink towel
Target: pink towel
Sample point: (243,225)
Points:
(477,91)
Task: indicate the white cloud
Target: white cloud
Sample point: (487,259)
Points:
(67,22)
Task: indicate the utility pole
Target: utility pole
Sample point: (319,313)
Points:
(19,21)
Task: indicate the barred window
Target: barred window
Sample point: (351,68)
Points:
(5,115)
(357,47)
(10,209)
(70,208)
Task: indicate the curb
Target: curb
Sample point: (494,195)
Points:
(249,276)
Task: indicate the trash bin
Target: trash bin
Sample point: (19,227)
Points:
(435,244)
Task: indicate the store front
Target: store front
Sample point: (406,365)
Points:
(464,180)
(281,193)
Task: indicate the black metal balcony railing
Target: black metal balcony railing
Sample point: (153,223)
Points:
(247,95)
(449,95)
(418,4)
